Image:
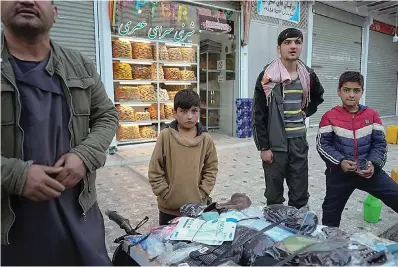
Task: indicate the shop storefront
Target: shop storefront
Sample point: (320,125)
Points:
(382,78)
(75,26)
(269,18)
(337,47)
(159,48)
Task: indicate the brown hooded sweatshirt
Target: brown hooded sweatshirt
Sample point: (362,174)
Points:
(182,170)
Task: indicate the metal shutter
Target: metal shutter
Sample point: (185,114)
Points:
(381,86)
(336,48)
(75,26)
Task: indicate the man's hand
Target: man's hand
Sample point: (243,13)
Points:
(39,185)
(348,165)
(73,170)
(267,156)
(369,172)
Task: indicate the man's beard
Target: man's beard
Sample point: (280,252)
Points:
(26,29)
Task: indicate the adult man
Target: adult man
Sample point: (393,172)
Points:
(286,92)
(56,124)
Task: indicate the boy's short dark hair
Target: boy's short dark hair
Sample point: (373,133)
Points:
(185,99)
(351,76)
(289,33)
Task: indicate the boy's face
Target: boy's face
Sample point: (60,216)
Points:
(350,94)
(291,48)
(187,118)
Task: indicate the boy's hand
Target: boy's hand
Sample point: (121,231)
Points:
(348,166)
(369,172)
(267,156)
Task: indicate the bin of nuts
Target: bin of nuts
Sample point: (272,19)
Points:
(153,111)
(122,71)
(172,94)
(168,111)
(148,93)
(147,132)
(188,54)
(121,49)
(127,93)
(142,51)
(172,74)
(128,132)
(141,72)
(163,53)
(154,73)
(163,96)
(142,116)
(188,75)
(174,54)
(126,113)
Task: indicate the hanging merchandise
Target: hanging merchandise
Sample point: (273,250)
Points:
(193,16)
(139,4)
(228,14)
(220,14)
(174,7)
(244,117)
(166,9)
(183,15)
(152,7)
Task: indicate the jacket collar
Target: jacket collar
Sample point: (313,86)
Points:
(53,65)
(200,128)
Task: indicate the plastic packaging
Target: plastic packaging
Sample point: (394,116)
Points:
(302,221)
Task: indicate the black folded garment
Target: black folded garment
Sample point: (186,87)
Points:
(302,221)
(237,251)
(308,251)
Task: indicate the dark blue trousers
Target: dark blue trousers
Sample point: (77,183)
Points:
(340,185)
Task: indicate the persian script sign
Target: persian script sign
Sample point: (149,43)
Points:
(284,10)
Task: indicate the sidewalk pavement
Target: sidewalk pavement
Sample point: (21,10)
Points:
(123,186)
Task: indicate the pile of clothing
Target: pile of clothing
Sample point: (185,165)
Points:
(276,235)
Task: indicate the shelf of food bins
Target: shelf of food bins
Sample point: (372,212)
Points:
(173,82)
(135,141)
(142,104)
(145,40)
(137,123)
(180,64)
(137,82)
(167,121)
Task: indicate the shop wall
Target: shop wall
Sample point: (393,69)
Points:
(262,48)
(75,27)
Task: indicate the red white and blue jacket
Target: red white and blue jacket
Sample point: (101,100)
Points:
(343,135)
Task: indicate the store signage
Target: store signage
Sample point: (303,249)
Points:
(284,10)
(382,27)
(221,65)
(212,24)
(158,32)
(220,78)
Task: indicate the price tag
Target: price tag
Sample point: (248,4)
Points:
(220,78)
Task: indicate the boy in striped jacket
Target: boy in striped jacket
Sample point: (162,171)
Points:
(351,141)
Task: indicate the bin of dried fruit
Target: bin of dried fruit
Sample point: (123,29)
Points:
(127,93)
(127,113)
(127,132)
(141,72)
(122,71)
(142,51)
(121,49)
(147,132)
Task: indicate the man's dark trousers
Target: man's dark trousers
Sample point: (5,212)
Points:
(292,165)
(340,185)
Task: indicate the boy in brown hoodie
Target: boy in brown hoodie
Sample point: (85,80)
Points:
(184,163)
